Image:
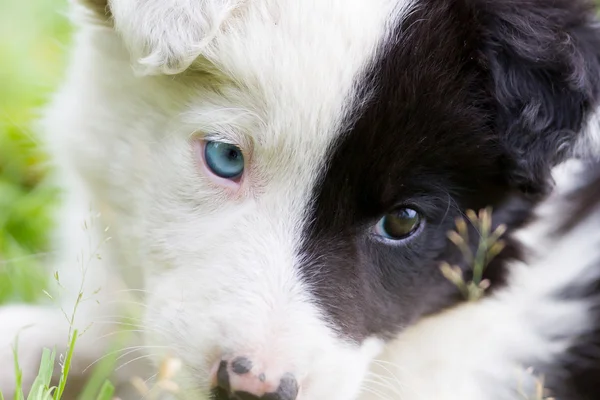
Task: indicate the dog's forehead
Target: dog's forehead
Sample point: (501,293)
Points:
(296,64)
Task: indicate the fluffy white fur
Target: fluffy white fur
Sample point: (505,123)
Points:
(166,36)
(209,273)
(589,145)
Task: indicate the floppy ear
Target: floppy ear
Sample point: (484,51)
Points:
(168,35)
(94,12)
(163,36)
(99,7)
(544,59)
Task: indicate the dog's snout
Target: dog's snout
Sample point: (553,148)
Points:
(240,379)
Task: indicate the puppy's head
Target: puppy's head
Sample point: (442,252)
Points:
(308,157)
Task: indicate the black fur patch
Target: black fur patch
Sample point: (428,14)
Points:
(543,57)
(470,105)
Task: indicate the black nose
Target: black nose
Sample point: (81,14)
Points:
(247,386)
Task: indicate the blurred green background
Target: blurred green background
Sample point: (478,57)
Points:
(34,38)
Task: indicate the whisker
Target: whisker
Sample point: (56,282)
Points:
(384,385)
(137,303)
(382,379)
(120,331)
(136,359)
(129,350)
(150,378)
(128,291)
(375,392)
(388,370)
(142,327)
(393,377)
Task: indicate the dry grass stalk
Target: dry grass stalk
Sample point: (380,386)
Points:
(488,248)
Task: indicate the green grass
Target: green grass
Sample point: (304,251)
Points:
(34,36)
(34,40)
(42,388)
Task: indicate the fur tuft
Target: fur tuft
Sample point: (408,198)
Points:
(166,36)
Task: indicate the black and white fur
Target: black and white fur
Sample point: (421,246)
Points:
(344,110)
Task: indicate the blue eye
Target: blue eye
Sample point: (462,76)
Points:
(399,224)
(224,159)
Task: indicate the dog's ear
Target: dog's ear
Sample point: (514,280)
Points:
(95,12)
(98,7)
(544,61)
(163,36)
(166,36)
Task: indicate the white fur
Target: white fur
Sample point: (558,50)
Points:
(589,145)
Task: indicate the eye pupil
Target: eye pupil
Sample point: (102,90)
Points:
(224,160)
(399,224)
(233,154)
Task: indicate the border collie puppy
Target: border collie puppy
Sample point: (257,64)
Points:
(278,178)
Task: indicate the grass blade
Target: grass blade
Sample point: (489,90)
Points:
(106,392)
(18,372)
(40,390)
(66,367)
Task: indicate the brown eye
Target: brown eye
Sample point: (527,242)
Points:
(399,224)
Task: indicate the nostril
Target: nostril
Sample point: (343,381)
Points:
(241,365)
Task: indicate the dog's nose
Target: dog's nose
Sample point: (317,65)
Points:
(239,379)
